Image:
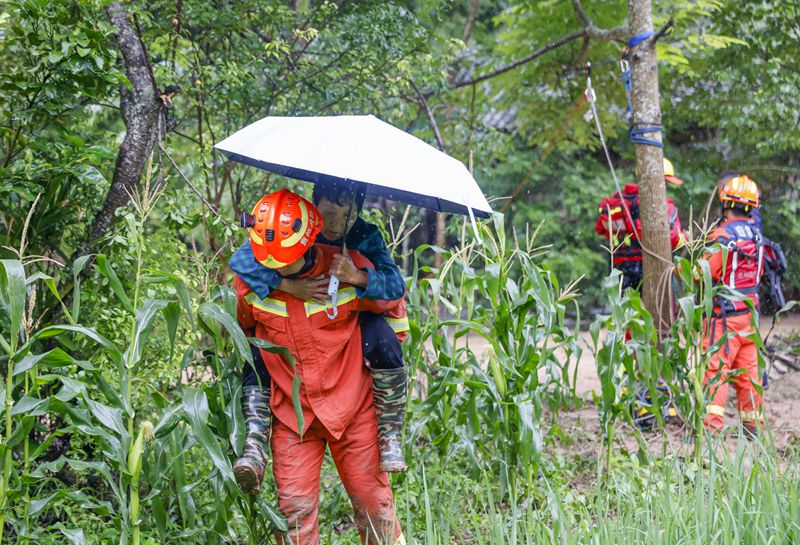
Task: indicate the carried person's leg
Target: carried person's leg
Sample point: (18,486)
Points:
(357,460)
(382,349)
(249,468)
(296,465)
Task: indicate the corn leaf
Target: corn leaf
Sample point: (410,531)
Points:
(77,268)
(212,312)
(144,325)
(113,280)
(12,297)
(111,350)
(195,406)
(110,417)
(296,379)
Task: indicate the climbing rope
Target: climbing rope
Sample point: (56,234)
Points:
(664,284)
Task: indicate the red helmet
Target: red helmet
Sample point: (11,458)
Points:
(282,227)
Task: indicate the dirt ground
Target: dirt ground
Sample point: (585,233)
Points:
(781,407)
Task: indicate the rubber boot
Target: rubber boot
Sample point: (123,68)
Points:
(390,390)
(249,468)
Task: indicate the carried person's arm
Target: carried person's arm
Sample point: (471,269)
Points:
(384,281)
(263,280)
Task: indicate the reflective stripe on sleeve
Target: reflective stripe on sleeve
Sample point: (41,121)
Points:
(718,410)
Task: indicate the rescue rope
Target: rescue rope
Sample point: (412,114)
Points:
(664,285)
(637,128)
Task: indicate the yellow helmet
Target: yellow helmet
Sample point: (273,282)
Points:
(669,173)
(741,190)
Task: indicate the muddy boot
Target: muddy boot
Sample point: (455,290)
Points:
(390,389)
(249,468)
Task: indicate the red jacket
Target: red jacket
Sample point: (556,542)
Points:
(327,353)
(614,224)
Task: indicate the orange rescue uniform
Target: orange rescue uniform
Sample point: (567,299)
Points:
(335,398)
(739,353)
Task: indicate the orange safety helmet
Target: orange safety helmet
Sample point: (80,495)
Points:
(740,190)
(282,227)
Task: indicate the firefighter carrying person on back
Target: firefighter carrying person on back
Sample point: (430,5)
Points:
(619,223)
(336,390)
(737,265)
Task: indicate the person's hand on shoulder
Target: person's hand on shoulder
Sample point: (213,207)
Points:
(314,288)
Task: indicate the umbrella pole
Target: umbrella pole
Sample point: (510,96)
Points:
(333,284)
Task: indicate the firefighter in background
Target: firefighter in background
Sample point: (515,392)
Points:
(737,263)
(775,264)
(619,223)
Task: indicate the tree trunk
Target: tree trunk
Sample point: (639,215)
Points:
(141,108)
(657,285)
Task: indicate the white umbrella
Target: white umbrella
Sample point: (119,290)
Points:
(359,148)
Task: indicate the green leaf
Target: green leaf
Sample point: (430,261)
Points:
(77,268)
(39,504)
(195,406)
(296,379)
(168,421)
(116,285)
(172,315)
(52,331)
(215,313)
(144,325)
(75,536)
(50,282)
(275,518)
(110,417)
(12,297)
(54,358)
(29,405)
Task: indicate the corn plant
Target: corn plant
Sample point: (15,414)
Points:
(154,458)
(491,403)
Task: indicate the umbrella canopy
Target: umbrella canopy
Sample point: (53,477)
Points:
(394,164)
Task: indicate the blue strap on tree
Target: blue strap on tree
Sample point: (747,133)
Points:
(637,129)
(639,38)
(635,133)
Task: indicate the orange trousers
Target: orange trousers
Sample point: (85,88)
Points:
(741,354)
(297,464)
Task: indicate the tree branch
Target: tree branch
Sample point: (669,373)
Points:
(429,113)
(473,14)
(141,108)
(538,53)
(593,31)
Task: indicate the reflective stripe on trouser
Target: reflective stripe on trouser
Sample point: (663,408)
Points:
(297,464)
(742,353)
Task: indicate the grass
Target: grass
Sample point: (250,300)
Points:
(749,496)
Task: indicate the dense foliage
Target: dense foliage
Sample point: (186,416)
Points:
(120,350)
